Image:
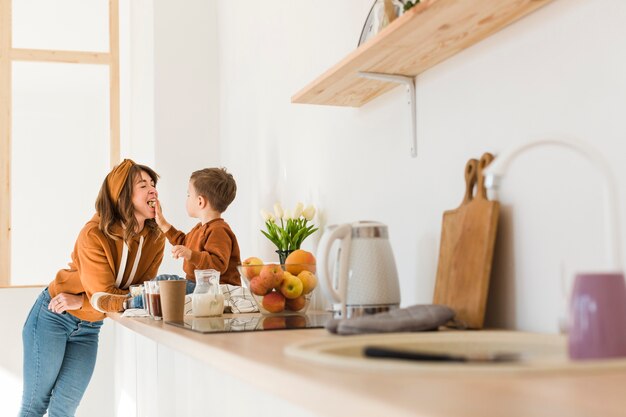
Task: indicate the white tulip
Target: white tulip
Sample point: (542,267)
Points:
(309,212)
(278,211)
(297,211)
(267,216)
(288,215)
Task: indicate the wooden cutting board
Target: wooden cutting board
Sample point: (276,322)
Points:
(468,234)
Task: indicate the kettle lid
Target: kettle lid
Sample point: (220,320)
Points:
(367,228)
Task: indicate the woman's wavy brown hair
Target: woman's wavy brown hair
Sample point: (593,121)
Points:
(124,211)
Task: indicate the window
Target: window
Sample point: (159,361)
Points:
(59,119)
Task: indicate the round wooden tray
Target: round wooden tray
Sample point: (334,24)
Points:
(537,352)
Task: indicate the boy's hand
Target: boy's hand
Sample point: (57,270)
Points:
(160,220)
(180,251)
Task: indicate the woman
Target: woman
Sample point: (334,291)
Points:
(121,245)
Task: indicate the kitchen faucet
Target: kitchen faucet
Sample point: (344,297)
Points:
(598,301)
(496,170)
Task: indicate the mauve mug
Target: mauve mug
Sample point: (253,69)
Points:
(598,316)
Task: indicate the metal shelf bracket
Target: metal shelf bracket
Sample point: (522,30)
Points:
(410,87)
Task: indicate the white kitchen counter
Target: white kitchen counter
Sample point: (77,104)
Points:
(253,365)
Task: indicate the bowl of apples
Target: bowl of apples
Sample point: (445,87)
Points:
(281,288)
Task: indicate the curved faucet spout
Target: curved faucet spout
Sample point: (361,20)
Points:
(496,170)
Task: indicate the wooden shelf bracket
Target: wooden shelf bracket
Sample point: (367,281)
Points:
(409,82)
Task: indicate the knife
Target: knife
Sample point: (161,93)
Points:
(388,353)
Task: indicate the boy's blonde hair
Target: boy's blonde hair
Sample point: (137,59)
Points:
(216,185)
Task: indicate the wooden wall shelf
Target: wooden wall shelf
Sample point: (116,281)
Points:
(427,34)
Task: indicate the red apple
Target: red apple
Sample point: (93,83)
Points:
(274,322)
(295,304)
(309,281)
(252,267)
(291,287)
(257,286)
(274,302)
(295,321)
(271,276)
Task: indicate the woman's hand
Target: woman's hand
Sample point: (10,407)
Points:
(64,301)
(180,251)
(160,220)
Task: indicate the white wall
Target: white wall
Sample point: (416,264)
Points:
(186,94)
(557,72)
(171,80)
(137,81)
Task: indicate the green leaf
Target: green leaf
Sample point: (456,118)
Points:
(274,241)
(289,234)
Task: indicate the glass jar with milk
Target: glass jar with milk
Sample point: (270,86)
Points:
(207,299)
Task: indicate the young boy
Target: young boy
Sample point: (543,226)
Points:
(211,244)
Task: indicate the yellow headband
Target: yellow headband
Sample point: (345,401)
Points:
(116,179)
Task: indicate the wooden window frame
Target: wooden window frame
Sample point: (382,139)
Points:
(8,55)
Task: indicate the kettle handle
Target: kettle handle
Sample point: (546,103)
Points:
(344,233)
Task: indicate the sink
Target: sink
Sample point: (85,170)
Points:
(538,352)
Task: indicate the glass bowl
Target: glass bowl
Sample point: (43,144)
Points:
(279,288)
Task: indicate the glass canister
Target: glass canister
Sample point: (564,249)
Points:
(154,299)
(207,299)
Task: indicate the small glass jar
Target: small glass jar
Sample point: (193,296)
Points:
(207,299)
(136,296)
(154,299)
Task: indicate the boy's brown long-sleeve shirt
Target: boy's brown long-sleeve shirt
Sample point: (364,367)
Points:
(213,246)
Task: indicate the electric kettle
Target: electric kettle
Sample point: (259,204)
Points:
(365,279)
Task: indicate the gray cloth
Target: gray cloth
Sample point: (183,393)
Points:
(415,318)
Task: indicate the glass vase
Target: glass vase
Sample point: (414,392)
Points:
(282,255)
(382,13)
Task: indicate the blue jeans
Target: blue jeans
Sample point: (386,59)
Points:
(59,357)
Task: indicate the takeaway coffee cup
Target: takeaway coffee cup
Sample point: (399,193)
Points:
(173,299)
